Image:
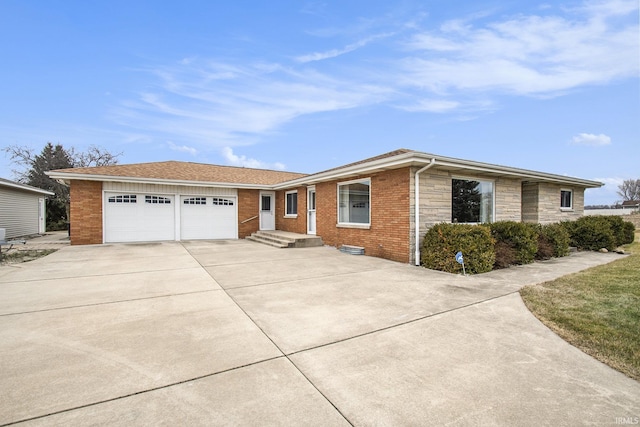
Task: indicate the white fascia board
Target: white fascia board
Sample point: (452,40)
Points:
(108,178)
(27,188)
(421,159)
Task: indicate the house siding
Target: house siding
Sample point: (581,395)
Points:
(86,212)
(545,208)
(291,224)
(248,211)
(435,200)
(18,212)
(388,235)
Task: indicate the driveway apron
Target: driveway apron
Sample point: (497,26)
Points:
(237,333)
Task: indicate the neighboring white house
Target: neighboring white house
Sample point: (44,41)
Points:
(22,209)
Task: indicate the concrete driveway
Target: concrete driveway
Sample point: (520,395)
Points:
(237,333)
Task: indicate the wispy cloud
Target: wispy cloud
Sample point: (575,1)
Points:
(462,67)
(319,56)
(526,55)
(182,148)
(591,139)
(242,161)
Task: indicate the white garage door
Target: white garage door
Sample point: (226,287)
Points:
(208,217)
(139,217)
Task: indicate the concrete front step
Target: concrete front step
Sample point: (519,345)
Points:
(284,239)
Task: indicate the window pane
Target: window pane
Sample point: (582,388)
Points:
(565,199)
(471,201)
(292,204)
(266,203)
(353,202)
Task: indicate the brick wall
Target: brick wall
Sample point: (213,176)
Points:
(530,202)
(388,235)
(293,225)
(248,207)
(86,212)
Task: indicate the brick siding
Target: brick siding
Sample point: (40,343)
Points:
(293,225)
(248,207)
(388,235)
(86,212)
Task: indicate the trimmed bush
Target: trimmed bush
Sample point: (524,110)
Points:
(443,241)
(521,237)
(591,233)
(617,228)
(628,233)
(553,241)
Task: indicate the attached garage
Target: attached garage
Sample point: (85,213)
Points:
(134,213)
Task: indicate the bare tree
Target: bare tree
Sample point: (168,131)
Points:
(629,190)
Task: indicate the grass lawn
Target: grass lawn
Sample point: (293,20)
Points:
(596,310)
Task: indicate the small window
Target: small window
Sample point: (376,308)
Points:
(157,200)
(354,200)
(566,199)
(291,203)
(266,203)
(471,201)
(195,201)
(123,198)
(222,202)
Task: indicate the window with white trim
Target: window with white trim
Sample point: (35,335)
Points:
(157,200)
(566,199)
(218,201)
(195,201)
(471,201)
(354,202)
(123,198)
(291,203)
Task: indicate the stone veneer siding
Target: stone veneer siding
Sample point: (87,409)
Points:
(86,212)
(388,235)
(291,224)
(541,203)
(248,207)
(435,199)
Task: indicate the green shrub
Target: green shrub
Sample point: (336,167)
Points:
(554,235)
(628,233)
(521,237)
(591,233)
(617,228)
(443,241)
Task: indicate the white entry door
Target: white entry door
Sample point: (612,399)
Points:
(267,210)
(311,210)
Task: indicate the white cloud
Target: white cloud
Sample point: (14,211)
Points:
(591,139)
(182,148)
(527,55)
(243,161)
(318,56)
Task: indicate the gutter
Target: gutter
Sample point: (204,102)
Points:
(417,208)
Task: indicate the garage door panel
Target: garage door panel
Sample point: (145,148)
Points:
(208,218)
(139,217)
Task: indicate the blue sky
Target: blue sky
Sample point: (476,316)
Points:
(307,86)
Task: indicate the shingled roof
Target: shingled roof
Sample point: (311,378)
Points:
(186,171)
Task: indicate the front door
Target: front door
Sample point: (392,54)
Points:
(311,210)
(267,210)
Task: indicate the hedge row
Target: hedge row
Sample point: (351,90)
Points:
(500,244)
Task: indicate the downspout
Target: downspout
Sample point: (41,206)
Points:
(417,208)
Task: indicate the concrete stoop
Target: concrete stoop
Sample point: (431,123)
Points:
(285,239)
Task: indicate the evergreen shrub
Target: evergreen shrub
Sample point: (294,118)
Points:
(443,241)
(521,237)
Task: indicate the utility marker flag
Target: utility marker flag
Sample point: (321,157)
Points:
(460,260)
